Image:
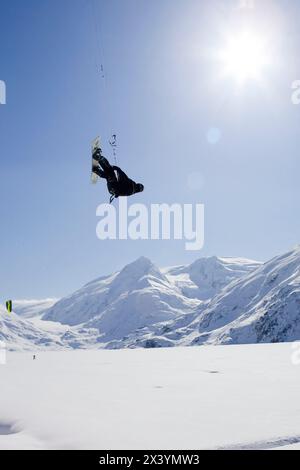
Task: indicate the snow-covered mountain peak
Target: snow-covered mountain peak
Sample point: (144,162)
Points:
(262,306)
(215,267)
(206,277)
(134,276)
(213,300)
(139,285)
(138,269)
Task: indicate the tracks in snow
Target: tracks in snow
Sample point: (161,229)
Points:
(265,445)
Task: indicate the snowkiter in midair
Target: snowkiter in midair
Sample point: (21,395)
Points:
(118,183)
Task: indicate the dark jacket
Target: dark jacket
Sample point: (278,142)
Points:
(122,186)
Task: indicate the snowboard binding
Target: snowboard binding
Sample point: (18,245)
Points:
(97,155)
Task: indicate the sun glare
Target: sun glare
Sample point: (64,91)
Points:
(244,57)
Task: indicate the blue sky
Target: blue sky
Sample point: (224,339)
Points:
(165,91)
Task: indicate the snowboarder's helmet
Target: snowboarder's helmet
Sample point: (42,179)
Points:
(140,187)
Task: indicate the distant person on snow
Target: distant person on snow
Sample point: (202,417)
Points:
(118,183)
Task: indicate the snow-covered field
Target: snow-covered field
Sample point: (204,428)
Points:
(179,398)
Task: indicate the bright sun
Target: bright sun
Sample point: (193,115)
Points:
(244,57)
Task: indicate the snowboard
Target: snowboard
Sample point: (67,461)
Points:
(96,145)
